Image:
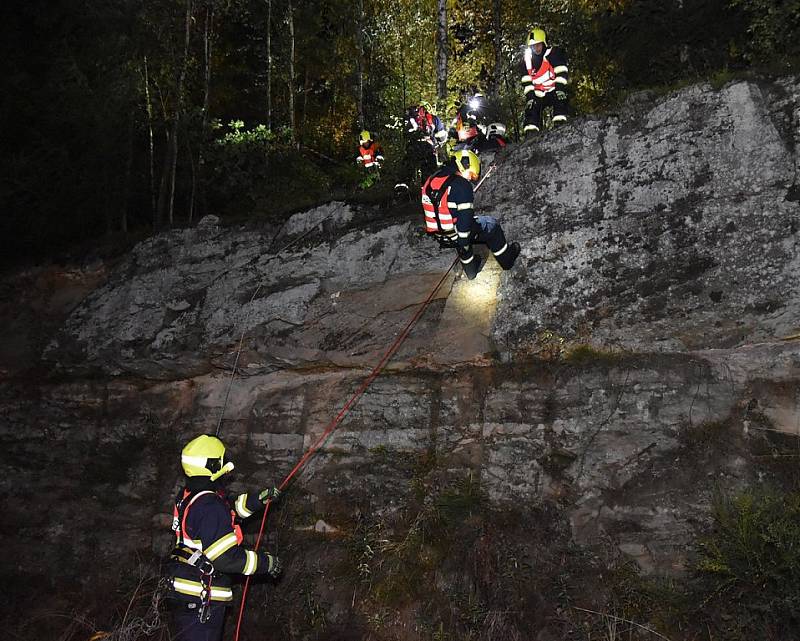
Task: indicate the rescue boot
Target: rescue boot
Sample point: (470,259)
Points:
(507,258)
(473,267)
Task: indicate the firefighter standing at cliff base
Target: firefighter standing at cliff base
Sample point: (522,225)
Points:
(208,542)
(544,80)
(447,199)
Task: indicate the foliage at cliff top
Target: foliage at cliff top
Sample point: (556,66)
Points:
(108,107)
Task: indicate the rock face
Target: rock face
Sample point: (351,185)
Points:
(626,369)
(669,227)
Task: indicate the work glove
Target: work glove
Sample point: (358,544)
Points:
(561,95)
(274,565)
(271,494)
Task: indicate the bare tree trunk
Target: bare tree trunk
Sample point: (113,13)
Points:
(149,109)
(193,169)
(515,108)
(306,85)
(166,196)
(179,110)
(403,76)
(199,175)
(441,54)
(360,43)
(291,75)
(173,170)
(269,65)
(106,189)
(497,24)
(684,50)
(126,192)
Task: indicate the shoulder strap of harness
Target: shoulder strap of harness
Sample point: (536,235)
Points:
(182,505)
(436,197)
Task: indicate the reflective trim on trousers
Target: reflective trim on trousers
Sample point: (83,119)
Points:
(195,588)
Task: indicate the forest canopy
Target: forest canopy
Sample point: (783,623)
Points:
(123,118)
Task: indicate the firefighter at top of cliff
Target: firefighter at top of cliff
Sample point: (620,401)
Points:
(423,121)
(465,132)
(545,76)
(370,153)
(495,137)
(208,542)
(424,131)
(447,199)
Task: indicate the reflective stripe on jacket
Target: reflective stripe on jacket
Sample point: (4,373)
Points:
(437,220)
(542,79)
(367,157)
(551,71)
(454,216)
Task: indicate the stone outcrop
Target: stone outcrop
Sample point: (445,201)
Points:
(637,359)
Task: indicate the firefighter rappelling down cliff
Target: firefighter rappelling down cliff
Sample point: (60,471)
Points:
(447,200)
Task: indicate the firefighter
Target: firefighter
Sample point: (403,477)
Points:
(544,80)
(422,120)
(465,131)
(208,542)
(370,153)
(422,131)
(447,199)
(495,137)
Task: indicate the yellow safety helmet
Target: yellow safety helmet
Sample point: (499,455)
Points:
(535,36)
(204,456)
(365,136)
(468,163)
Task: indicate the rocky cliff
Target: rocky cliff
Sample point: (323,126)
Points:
(537,428)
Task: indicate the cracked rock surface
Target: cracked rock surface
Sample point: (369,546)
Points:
(664,237)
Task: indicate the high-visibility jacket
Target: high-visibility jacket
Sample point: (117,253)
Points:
(371,156)
(447,200)
(544,73)
(206,526)
(419,119)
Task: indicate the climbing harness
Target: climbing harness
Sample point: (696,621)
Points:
(432,206)
(187,550)
(445,240)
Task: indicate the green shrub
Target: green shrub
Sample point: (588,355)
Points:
(256,169)
(751,562)
(583,355)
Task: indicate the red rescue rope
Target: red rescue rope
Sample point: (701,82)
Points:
(338,419)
